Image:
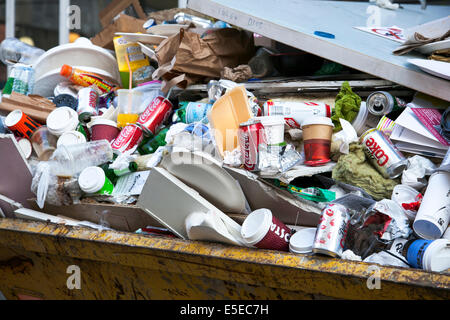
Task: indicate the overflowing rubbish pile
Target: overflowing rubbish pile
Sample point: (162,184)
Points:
(369,177)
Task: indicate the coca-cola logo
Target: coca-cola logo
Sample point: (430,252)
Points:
(375,150)
(123,136)
(148,111)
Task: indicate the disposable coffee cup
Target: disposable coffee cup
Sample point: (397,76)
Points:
(302,241)
(274,129)
(104,129)
(429,255)
(93,180)
(21,124)
(317,132)
(61,120)
(433,215)
(44,143)
(262,230)
(446,234)
(406,194)
(70,137)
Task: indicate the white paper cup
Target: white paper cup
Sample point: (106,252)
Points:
(71,137)
(434,213)
(61,120)
(274,128)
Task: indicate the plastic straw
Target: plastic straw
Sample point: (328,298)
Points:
(130,82)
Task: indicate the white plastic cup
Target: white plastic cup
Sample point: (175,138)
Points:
(405,194)
(274,129)
(302,241)
(61,120)
(434,213)
(71,137)
(93,180)
(262,230)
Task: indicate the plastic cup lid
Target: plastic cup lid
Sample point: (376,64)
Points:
(13,117)
(318,120)
(25,146)
(256,225)
(70,137)
(104,122)
(62,118)
(91,179)
(302,241)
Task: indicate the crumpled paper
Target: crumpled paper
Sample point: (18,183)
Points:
(341,140)
(414,175)
(385,259)
(240,73)
(417,40)
(233,158)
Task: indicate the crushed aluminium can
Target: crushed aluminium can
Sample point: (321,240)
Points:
(380,103)
(332,230)
(251,134)
(383,154)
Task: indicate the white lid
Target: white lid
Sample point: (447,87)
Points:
(25,146)
(271,120)
(317,120)
(256,226)
(91,179)
(13,117)
(71,137)
(62,119)
(104,121)
(437,256)
(302,241)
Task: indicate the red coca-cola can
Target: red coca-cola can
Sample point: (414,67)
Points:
(128,139)
(155,114)
(251,134)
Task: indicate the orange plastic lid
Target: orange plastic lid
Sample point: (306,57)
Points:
(66,70)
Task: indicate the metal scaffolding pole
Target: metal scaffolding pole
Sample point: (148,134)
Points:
(63,21)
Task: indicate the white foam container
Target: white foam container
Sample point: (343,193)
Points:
(91,179)
(302,241)
(61,120)
(256,226)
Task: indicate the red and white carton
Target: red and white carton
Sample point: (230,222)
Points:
(332,230)
(251,134)
(128,139)
(155,114)
(262,230)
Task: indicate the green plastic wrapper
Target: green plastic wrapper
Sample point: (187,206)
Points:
(346,106)
(313,193)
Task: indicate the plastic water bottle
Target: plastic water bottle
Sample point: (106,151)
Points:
(68,160)
(20,80)
(12,51)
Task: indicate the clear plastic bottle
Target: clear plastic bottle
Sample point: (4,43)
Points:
(69,160)
(12,50)
(20,80)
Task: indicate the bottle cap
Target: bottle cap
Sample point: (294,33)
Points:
(66,70)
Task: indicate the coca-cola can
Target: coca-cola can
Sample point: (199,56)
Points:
(251,134)
(332,230)
(154,115)
(87,101)
(383,154)
(128,139)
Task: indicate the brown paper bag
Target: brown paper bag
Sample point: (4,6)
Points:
(186,58)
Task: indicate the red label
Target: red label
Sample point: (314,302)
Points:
(127,139)
(376,151)
(291,123)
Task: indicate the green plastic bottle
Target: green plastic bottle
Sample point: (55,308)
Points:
(151,144)
(114,174)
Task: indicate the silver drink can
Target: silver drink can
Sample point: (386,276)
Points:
(381,102)
(332,230)
(87,101)
(383,154)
